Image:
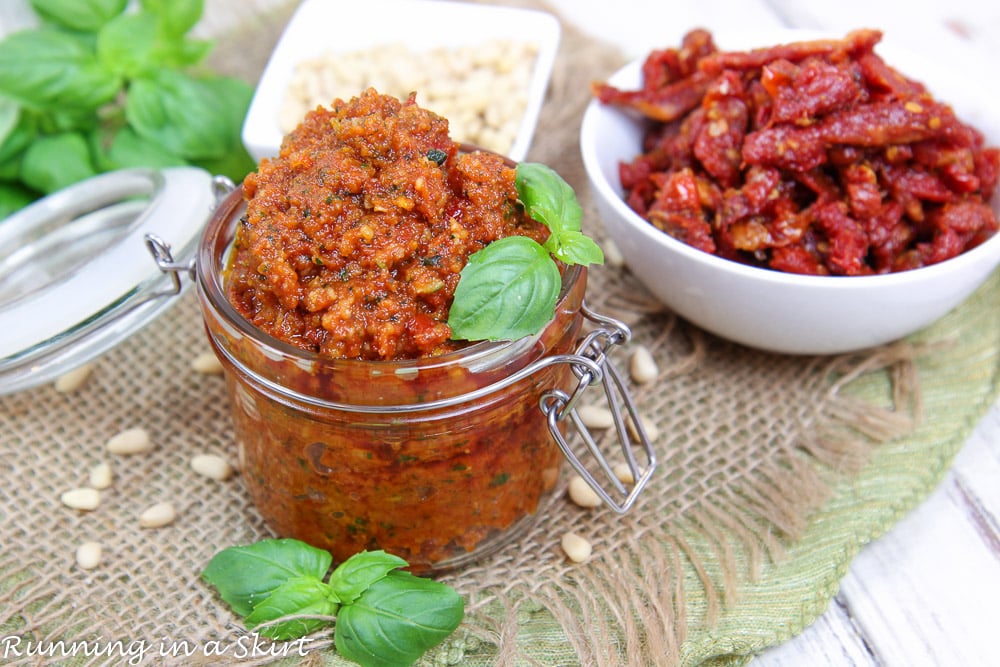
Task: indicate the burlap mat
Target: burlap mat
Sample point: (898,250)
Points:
(775,470)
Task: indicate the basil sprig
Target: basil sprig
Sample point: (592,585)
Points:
(509,289)
(109,84)
(385,617)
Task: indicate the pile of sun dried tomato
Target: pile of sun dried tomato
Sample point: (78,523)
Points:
(813,157)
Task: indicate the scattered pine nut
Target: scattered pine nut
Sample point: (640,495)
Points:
(577,548)
(130,441)
(623,473)
(74,379)
(211,466)
(594,416)
(207,363)
(158,516)
(612,253)
(642,366)
(581,493)
(85,499)
(88,555)
(101,476)
(652,432)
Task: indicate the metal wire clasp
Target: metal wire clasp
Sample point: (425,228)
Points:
(163,255)
(592,366)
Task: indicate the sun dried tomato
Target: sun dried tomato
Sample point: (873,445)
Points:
(812,157)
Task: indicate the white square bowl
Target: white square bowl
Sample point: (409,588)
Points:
(321,27)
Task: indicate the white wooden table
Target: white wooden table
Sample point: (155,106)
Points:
(928,592)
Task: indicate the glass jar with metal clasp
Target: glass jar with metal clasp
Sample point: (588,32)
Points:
(439,460)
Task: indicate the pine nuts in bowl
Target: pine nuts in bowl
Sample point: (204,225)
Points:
(778,310)
(485,68)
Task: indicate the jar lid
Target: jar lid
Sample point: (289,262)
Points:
(76,277)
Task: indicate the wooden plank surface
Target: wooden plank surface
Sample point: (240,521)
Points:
(928,592)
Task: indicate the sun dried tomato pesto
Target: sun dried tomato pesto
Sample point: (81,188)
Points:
(355,234)
(348,246)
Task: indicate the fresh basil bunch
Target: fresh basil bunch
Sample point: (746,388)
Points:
(96,88)
(384,617)
(509,289)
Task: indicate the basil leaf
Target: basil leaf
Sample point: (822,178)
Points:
(52,162)
(17,129)
(128,149)
(246,575)
(547,198)
(48,69)
(232,99)
(13,198)
(353,577)
(506,291)
(128,44)
(10,116)
(307,596)
(396,620)
(574,248)
(87,15)
(176,17)
(180,113)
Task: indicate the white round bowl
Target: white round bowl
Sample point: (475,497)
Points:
(762,308)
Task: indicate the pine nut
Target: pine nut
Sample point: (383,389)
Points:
(652,432)
(478,88)
(157,516)
(74,379)
(612,253)
(623,473)
(642,366)
(596,417)
(207,364)
(85,499)
(101,476)
(211,466)
(130,441)
(577,548)
(581,493)
(88,555)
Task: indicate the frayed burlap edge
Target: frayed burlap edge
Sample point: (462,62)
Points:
(631,605)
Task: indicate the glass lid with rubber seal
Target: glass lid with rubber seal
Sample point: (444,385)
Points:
(75,271)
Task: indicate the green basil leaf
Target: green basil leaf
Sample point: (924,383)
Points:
(246,575)
(87,15)
(396,620)
(10,116)
(127,45)
(235,164)
(52,162)
(176,17)
(574,248)
(506,291)
(356,574)
(180,113)
(183,52)
(547,198)
(17,129)
(48,69)
(306,596)
(13,198)
(10,170)
(128,149)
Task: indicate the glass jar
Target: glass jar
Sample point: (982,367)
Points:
(437,460)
